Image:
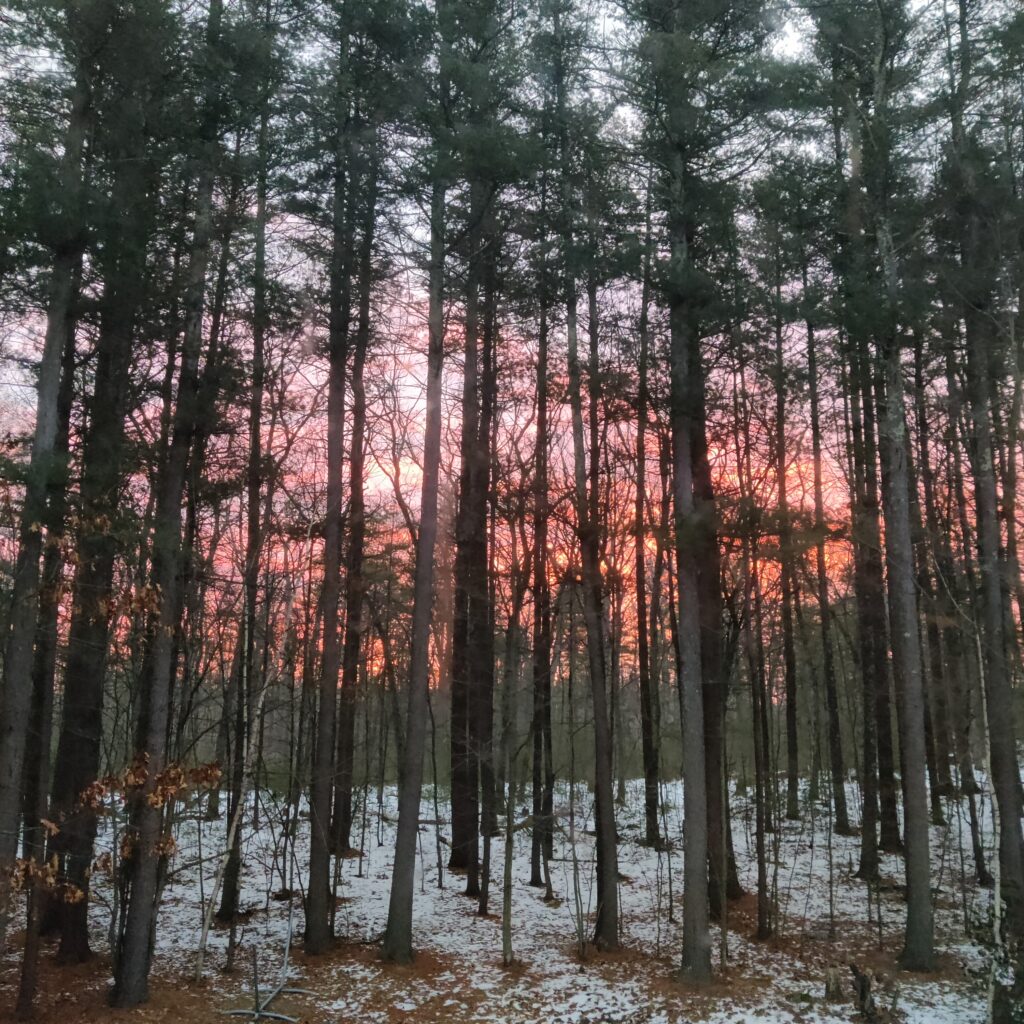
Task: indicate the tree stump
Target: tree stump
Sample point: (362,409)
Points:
(833,985)
(863,997)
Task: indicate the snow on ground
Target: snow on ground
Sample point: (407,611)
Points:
(458,975)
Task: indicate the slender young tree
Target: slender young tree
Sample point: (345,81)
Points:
(648,691)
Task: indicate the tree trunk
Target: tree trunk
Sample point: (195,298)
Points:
(931,556)
(135,947)
(786,568)
(648,692)
(16,701)
(997,673)
(835,737)
(918,952)
(254,538)
(483,660)
(79,744)
(978,271)
(36,783)
(543,770)
(470,572)
(318,896)
(889,832)
(696,957)
(606,929)
(355,584)
(398,934)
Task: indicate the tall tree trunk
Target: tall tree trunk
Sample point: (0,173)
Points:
(318,917)
(977,273)
(254,533)
(785,566)
(835,736)
(197,464)
(696,958)
(543,767)
(135,946)
(648,692)
(867,646)
(38,740)
(606,927)
(714,673)
(79,743)
(691,509)
(889,831)
(753,647)
(470,571)
(758,703)
(486,466)
(355,584)
(398,934)
(929,566)
(36,783)
(960,587)
(919,947)
(851,266)
(997,673)
(16,701)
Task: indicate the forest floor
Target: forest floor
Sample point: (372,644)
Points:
(458,974)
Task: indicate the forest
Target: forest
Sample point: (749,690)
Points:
(509,511)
